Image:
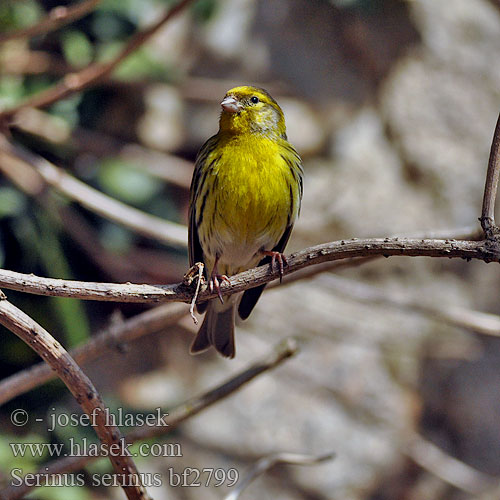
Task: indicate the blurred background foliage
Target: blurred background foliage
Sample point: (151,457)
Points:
(392,105)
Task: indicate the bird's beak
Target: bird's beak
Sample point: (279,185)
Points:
(230,105)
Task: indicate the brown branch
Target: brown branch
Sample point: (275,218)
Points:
(56,18)
(462,233)
(92,74)
(281,352)
(80,386)
(151,321)
(33,173)
(180,292)
(491,186)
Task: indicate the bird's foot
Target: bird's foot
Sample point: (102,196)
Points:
(277,257)
(215,282)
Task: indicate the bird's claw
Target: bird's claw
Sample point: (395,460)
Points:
(277,257)
(214,284)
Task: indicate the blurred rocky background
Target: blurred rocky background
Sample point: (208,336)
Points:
(392,105)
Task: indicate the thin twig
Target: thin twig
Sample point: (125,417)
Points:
(151,321)
(93,73)
(476,321)
(80,386)
(45,174)
(449,469)
(266,463)
(491,186)
(55,19)
(281,352)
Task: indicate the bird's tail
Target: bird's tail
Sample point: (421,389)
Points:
(217,329)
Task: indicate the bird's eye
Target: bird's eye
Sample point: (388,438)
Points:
(254,99)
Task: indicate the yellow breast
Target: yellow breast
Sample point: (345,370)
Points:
(252,199)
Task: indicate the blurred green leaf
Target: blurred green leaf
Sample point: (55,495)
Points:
(127,182)
(17,353)
(37,83)
(115,238)
(2,251)
(67,109)
(71,313)
(64,492)
(109,27)
(12,202)
(141,64)
(9,461)
(203,10)
(118,5)
(19,14)
(11,90)
(108,51)
(77,48)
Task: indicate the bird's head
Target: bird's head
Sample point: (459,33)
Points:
(250,110)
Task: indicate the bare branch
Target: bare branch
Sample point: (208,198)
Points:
(462,233)
(281,352)
(93,73)
(266,463)
(147,322)
(180,292)
(449,469)
(45,174)
(56,18)
(490,189)
(479,322)
(80,386)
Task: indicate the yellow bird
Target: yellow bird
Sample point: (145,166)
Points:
(245,197)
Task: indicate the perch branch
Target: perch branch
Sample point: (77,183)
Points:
(334,251)
(80,386)
(56,18)
(144,323)
(92,74)
(281,352)
(266,463)
(491,186)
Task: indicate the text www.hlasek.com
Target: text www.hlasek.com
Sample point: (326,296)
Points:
(84,448)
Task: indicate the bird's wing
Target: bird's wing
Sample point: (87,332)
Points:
(251,296)
(194,247)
